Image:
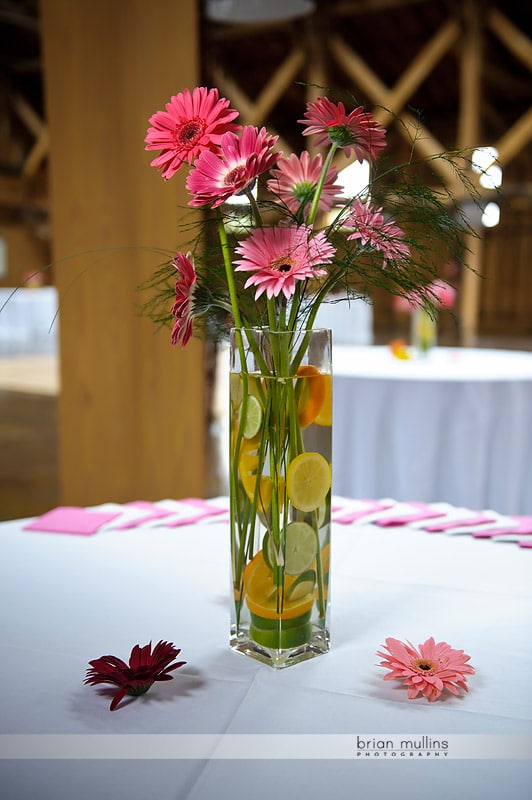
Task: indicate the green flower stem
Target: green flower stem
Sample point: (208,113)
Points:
(226,252)
(254,207)
(319,187)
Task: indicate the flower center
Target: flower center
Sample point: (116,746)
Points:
(425,665)
(188,134)
(235,176)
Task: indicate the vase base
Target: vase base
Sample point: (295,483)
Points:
(316,645)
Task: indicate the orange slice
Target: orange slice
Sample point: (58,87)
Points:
(261,592)
(312,394)
(324,416)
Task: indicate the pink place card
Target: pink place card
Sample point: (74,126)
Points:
(150,511)
(199,510)
(424,511)
(367,507)
(522,526)
(473,519)
(71,519)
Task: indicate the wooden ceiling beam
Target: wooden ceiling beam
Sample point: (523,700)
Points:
(515,138)
(37,127)
(417,71)
(240,100)
(410,128)
(276,86)
(511,36)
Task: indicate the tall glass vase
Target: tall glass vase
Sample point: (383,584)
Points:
(280,492)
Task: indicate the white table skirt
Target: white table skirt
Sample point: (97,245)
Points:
(66,599)
(456,426)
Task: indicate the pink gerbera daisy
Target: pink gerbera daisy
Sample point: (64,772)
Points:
(184,290)
(279,257)
(428,670)
(191,124)
(144,668)
(442,293)
(439,292)
(356,131)
(240,160)
(371,229)
(295,180)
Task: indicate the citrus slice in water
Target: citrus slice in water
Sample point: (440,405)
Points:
(308,480)
(302,587)
(312,394)
(324,416)
(261,592)
(301,545)
(299,552)
(253,418)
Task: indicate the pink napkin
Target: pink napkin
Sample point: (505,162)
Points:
(71,519)
(370,507)
(476,519)
(204,510)
(152,512)
(523,526)
(424,512)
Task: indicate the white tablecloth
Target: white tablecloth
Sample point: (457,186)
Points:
(455,426)
(66,599)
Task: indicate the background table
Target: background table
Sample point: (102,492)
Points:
(455,426)
(66,599)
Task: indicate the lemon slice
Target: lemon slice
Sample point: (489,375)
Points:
(308,480)
(253,419)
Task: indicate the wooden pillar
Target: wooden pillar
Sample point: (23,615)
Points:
(469,132)
(132,416)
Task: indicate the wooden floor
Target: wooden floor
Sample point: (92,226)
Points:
(29,468)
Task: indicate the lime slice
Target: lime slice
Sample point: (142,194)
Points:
(308,480)
(253,419)
(302,586)
(268,550)
(300,549)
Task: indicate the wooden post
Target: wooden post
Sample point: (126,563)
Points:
(468,137)
(132,416)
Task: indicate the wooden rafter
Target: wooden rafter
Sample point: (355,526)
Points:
(511,36)
(37,127)
(248,109)
(416,133)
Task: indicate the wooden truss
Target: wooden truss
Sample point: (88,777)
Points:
(463,35)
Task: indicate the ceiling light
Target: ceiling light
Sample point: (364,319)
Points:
(491,215)
(483,158)
(237,11)
(491,178)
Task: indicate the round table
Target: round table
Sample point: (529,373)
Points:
(455,425)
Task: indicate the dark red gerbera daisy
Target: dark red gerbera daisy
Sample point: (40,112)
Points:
(145,667)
